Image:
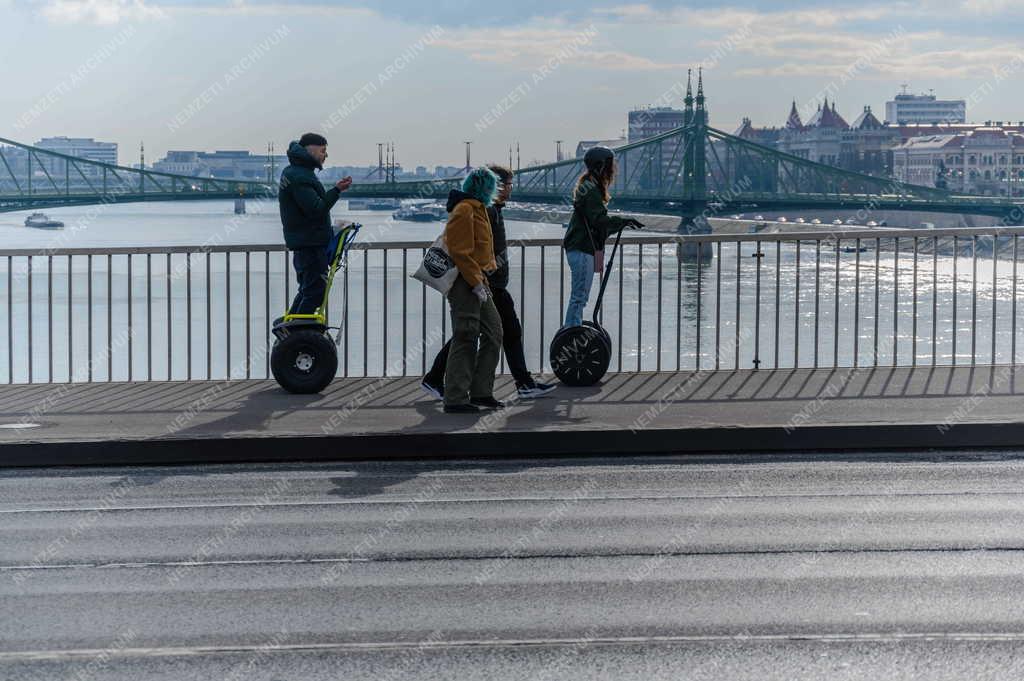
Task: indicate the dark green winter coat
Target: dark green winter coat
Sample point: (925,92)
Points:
(591,203)
(305,205)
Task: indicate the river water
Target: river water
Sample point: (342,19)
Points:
(393,325)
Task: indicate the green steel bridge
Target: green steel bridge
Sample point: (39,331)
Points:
(690,171)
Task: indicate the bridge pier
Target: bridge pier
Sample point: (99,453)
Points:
(695,222)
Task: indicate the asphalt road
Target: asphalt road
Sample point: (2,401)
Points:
(905,566)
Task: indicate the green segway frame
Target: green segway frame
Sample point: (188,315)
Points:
(304,358)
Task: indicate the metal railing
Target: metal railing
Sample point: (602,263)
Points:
(814,299)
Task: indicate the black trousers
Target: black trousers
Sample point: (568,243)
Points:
(512,341)
(311,266)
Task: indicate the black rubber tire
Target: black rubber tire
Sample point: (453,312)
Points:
(298,347)
(580,355)
(600,329)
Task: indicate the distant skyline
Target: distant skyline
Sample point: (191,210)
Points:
(197,74)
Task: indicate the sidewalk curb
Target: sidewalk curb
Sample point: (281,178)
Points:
(713,439)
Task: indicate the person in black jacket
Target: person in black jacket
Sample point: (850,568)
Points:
(512,330)
(306,218)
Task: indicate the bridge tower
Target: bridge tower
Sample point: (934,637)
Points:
(688,149)
(700,120)
(389,167)
(695,192)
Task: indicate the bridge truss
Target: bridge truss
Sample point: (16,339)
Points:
(32,178)
(692,170)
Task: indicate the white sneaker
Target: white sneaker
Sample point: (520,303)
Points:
(434,391)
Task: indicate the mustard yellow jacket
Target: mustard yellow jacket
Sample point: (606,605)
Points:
(469,241)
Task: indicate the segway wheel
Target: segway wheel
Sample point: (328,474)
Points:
(580,355)
(305,361)
(601,330)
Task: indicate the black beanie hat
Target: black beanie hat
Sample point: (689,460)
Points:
(313,138)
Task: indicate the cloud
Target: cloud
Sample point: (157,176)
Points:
(797,41)
(102,12)
(267,8)
(912,55)
(530,48)
(991,6)
(452,13)
(731,17)
(786,38)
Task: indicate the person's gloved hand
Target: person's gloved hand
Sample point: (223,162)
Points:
(633,223)
(482,292)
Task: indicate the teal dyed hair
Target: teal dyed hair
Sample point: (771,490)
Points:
(482,185)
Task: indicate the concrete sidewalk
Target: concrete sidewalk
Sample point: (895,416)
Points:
(646,413)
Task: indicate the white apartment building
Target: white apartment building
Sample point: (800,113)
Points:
(82,147)
(907,108)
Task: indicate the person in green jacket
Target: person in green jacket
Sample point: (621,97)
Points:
(589,227)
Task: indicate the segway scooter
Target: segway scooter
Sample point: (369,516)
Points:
(304,358)
(580,355)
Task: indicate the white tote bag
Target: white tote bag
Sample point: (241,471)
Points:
(438,270)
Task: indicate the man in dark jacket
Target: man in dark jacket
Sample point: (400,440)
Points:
(512,330)
(306,217)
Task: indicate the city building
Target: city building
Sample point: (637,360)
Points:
(866,146)
(986,160)
(908,108)
(643,123)
(15,160)
(233,165)
(447,171)
(648,122)
(909,130)
(332,174)
(586,145)
(82,147)
(863,146)
(820,139)
(180,163)
(766,137)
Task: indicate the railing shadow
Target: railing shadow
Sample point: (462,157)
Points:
(250,405)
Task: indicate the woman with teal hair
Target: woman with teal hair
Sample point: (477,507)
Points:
(476,325)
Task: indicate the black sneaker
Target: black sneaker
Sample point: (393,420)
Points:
(434,390)
(461,409)
(486,403)
(533,390)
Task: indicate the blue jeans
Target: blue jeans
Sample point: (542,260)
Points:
(582,267)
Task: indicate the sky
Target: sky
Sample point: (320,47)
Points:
(430,75)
